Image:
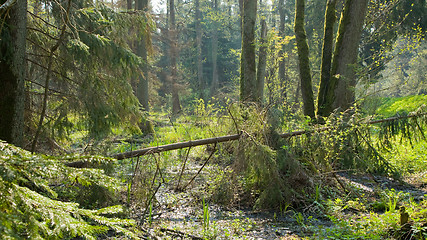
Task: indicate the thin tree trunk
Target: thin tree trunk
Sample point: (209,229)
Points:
(176,105)
(247,64)
(241,16)
(282,63)
(199,49)
(142,86)
(262,62)
(215,83)
(12,73)
(303,59)
(328,42)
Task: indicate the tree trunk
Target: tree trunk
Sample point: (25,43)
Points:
(199,50)
(282,63)
(303,59)
(142,86)
(247,65)
(328,42)
(215,83)
(13,73)
(241,16)
(340,92)
(176,105)
(262,62)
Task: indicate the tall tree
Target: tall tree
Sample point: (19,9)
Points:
(142,86)
(200,80)
(262,62)
(328,41)
(12,70)
(282,63)
(340,93)
(176,105)
(214,85)
(247,64)
(303,59)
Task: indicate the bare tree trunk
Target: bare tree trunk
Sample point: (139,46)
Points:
(215,83)
(262,62)
(142,86)
(328,42)
(12,73)
(247,65)
(176,105)
(199,49)
(303,59)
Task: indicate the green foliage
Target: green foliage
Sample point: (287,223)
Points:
(92,69)
(401,105)
(33,204)
(371,225)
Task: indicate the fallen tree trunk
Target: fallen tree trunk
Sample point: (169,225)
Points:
(227,138)
(174,146)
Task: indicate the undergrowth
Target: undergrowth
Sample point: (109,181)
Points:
(39,197)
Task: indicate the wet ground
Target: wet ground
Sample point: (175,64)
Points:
(181,215)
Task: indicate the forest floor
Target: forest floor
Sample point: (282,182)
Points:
(183,214)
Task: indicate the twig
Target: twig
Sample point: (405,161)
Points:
(179,233)
(201,168)
(182,169)
(49,69)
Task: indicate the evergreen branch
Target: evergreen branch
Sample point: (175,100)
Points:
(49,70)
(44,21)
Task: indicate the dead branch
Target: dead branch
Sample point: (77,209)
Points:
(177,233)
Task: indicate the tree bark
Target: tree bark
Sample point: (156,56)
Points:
(262,62)
(328,42)
(199,49)
(282,63)
(303,59)
(176,105)
(13,72)
(215,83)
(340,93)
(142,86)
(247,64)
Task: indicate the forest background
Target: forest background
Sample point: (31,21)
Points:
(99,77)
